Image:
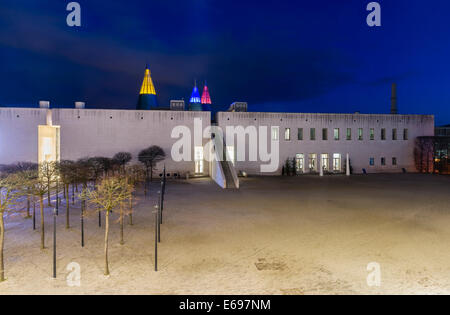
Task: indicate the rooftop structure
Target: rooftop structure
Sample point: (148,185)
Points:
(195,103)
(147,96)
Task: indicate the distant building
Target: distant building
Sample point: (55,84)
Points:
(238,107)
(442,131)
(442,149)
(177,105)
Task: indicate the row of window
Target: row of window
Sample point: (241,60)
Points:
(383,161)
(337,134)
(312,162)
(325,162)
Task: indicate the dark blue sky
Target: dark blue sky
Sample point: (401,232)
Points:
(296,56)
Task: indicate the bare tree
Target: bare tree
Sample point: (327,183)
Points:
(149,157)
(40,187)
(423,154)
(122,159)
(19,168)
(135,176)
(84,175)
(106,164)
(9,196)
(110,194)
(97,168)
(67,173)
(48,171)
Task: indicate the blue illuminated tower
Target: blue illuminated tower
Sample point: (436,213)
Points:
(195,102)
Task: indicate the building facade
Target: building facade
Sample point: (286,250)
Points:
(375,143)
(260,143)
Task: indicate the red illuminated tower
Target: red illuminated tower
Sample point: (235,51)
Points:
(206,98)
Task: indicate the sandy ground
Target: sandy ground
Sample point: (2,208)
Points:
(296,235)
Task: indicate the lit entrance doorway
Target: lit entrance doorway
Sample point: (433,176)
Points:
(313,162)
(48,143)
(325,162)
(299,163)
(198,156)
(337,164)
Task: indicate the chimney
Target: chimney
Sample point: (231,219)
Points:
(44,104)
(394,110)
(80,105)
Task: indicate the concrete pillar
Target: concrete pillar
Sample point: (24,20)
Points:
(347,166)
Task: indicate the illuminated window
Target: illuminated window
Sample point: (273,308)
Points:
(349,133)
(336,133)
(275,133)
(299,163)
(325,161)
(337,162)
(360,133)
(372,134)
(312,162)
(287,134)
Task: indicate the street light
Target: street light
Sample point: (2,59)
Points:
(55,213)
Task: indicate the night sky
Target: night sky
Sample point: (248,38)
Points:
(294,56)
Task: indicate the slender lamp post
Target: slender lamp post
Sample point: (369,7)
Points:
(55,213)
(156,237)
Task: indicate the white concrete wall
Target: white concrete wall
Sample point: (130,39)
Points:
(19,134)
(89,133)
(360,151)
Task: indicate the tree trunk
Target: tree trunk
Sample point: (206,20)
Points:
(146,181)
(57,194)
(130,216)
(73,194)
(121,226)
(2,240)
(67,207)
(41,202)
(106,243)
(28,206)
(151,173)
(48,194)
